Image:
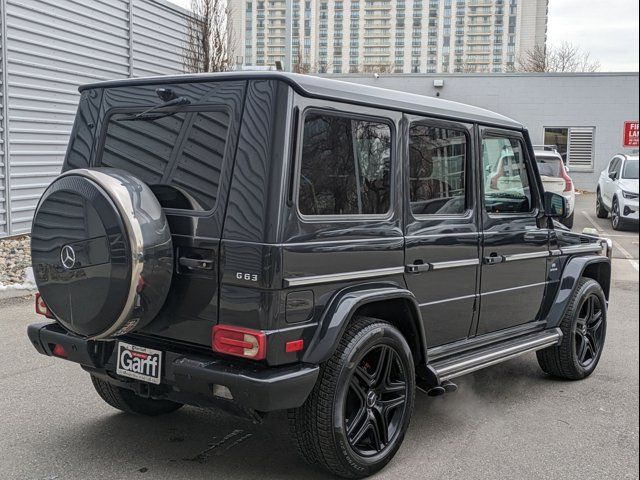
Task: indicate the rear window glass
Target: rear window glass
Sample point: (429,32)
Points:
(549,166)
(345,167)
(179,155)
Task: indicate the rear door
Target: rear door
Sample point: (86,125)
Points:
(441,232)
(185,155)
(514,249)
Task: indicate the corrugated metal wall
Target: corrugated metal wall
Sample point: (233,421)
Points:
(50,47)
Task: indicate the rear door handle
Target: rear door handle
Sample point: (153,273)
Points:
(195,263)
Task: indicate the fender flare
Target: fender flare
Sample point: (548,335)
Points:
(575,269)
(340,310)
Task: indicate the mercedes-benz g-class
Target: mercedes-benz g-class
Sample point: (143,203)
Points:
(264,241)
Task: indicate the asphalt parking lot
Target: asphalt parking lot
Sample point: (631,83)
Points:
(508,422)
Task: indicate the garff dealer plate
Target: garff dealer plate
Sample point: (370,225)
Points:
(139,363)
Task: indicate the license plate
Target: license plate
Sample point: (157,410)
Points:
(139,363)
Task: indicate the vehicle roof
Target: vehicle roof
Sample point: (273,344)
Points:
(626,156)
(329,89)
(547,153)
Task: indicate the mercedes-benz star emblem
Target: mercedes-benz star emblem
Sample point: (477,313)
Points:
(68,257)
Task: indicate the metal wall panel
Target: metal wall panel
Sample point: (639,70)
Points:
(159,32)
(52,47)
(3,123)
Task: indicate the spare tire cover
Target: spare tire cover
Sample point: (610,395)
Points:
(101,251)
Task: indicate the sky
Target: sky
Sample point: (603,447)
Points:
(607,29)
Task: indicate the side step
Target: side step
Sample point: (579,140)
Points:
(452,367)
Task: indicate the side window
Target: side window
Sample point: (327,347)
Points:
(614,166)
(506,183)
(345,166)
(437,170)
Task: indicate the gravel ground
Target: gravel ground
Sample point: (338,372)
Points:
(15,257)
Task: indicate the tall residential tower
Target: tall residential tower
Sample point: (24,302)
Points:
(402,36)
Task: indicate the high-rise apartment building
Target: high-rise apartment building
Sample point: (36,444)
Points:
(402,36)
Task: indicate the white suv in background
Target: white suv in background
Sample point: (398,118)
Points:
(618,191)
(555,177)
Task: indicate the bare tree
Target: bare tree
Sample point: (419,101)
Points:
(299,63)
(565,57)
(209,37)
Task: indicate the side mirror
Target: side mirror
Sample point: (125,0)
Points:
(555,205)
(613,175)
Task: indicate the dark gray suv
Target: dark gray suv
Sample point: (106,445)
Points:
(263,241)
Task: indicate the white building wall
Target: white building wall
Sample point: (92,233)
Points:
(49,48)
(603,101)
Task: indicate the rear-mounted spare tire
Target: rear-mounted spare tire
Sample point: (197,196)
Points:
(101,251)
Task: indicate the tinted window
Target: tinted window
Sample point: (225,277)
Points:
(549,166)
(437,170)
(345,166)
(630,169)
(506,183)
(179,156)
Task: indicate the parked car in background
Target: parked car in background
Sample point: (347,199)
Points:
(618,191)
(555,177)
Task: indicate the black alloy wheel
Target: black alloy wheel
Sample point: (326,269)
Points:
(584,328)
(616,221)
(376,402)
(589,330)
(356,417)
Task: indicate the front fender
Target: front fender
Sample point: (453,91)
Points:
(593,266)
(341,309)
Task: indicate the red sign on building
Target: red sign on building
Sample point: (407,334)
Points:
(631,135)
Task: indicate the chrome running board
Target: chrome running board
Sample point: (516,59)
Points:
(452,367)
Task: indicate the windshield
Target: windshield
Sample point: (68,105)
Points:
(549,166)
(630,169)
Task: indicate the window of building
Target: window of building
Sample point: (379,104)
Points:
(506,181)
(345,166)
(574,144)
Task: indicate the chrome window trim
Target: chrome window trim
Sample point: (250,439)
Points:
(341,277)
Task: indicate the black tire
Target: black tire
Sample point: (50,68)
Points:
(337,399)
(601,211)
(580,331)
(568,222)
(128,401)
(617,222)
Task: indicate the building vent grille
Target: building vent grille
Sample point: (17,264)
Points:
(581,148)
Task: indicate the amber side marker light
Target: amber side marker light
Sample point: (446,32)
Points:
(239,342)
(41,307)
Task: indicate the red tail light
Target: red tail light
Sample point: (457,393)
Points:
(59,351)
(41,307)
(568,183)
(240,342)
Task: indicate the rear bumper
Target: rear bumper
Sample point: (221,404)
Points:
(193,379)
